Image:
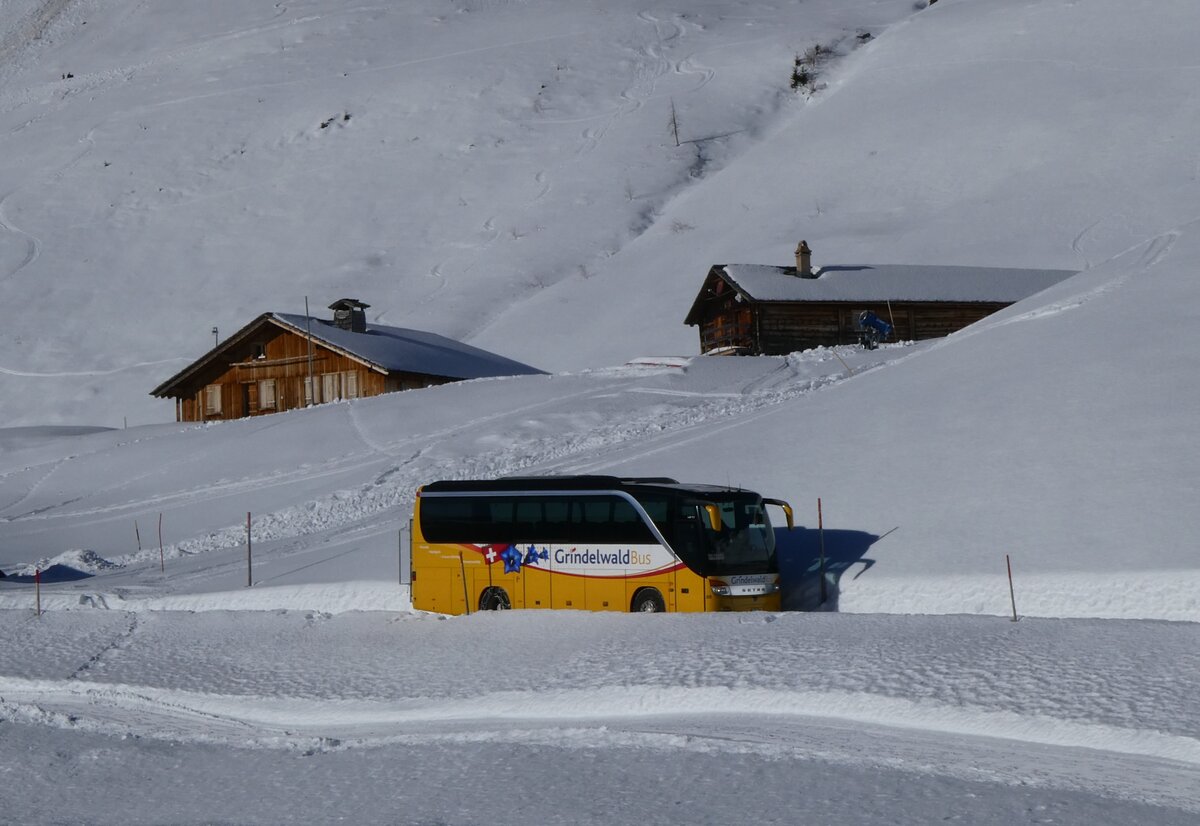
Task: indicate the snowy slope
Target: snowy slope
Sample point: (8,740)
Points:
(1001,133)
(438,160)
(1057,432)
(1048,433)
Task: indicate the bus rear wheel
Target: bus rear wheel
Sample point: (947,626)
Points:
(648,601)
(494,599)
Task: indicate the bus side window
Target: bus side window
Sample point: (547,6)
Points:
(658,509)
(557,513)
(446,519)
(627,524)
(529,520)
(500,521)
(590,519)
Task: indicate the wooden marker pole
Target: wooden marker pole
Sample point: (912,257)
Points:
(162,565)
(1011,593)
(37,590)
(462,567)
(821,535)
(138,534)
(249,574)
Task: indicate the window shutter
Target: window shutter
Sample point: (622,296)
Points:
(329,387)
(266,394)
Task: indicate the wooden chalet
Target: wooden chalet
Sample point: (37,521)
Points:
(748,309)
(282,361)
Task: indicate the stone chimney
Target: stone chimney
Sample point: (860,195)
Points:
(348,314)
(804,261)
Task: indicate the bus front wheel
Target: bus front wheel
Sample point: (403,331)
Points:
(494,599)
(648,601)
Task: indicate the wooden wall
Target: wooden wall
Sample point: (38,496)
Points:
(281,356)
(779,328)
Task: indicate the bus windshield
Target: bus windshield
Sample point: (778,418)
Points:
(744,545)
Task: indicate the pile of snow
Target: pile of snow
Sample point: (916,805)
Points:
(69,564)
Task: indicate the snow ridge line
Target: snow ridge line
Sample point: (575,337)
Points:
(288,722)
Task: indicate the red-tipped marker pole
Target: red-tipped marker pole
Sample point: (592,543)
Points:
(821,535)
(249,567)
(1011,594)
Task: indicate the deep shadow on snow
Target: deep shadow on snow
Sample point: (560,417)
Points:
(800,565)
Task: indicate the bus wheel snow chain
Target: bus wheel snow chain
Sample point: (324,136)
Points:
(494,599)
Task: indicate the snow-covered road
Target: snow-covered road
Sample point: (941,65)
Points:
(1037,710)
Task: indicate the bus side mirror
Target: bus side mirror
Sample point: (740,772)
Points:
(714,514)
(787,510)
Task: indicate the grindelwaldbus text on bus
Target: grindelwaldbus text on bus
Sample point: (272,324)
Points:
(599,543)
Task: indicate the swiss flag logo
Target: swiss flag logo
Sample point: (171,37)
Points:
(491,553)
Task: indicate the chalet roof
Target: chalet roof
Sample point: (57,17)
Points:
(381,348)
(891,282)
(398,349)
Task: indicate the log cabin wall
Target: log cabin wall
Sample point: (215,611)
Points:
(784,327)
(269,374)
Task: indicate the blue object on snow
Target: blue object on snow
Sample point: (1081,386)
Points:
(873,329)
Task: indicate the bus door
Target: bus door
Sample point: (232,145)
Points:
(691,588)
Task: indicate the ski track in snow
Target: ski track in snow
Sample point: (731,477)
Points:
(1154,252)
(33,245)
(69,374)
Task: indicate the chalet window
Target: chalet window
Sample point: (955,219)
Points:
(212,400)
(350,384)
(260,350)
(266,394)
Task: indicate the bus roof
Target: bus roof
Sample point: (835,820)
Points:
(590,482)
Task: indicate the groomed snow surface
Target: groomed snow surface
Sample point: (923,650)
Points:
(561,717)
(501,173)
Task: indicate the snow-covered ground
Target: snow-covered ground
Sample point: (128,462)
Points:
(506,172)
(560,717)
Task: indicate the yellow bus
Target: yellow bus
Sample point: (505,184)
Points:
(598,543)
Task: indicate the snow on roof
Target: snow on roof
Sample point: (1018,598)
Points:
(400,349)
(892,282)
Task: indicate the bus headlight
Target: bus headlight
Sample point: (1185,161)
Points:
(720,589)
